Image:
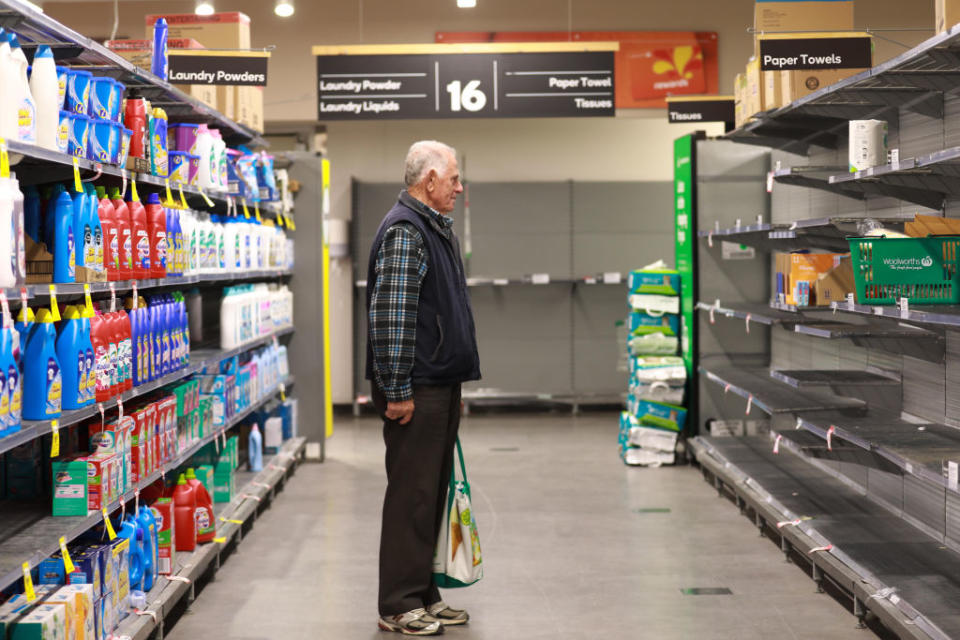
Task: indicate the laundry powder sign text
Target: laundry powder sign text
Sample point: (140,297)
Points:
(795,54)
(196,66)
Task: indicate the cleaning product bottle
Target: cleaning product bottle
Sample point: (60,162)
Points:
(94,253)
(185,510)
(158,143)
(159,59)
(25,319)
(62,239)
(140,237)
(71,354)
(45,89)
(157,230)
(124,233)
(255,449)
(139,347)
(13,380)
(26,107)
(42,388)
(135,119)
(90,392)
(206,522)
(128,531)
(149,524)
(100,338)
(8,78)
(8,225)
(111,235)
(81,226)
(116,357)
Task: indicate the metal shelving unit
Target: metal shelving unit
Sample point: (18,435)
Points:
(761,390)
(832,378)
(828,234)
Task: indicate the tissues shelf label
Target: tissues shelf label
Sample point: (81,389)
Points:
(443,84)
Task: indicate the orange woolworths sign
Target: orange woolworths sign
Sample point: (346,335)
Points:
(650,66)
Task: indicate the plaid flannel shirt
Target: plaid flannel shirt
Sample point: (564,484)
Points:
(401,266)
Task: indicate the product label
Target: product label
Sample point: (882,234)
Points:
(162,249)
(113,369)
(13,390)
(89,251)
(4,404)
(26,121)
(54,387)
(143,250)
(114,250)
(204,523)
(127,347)
(127,249)
(91,389)
(81,378)
(103,370)
(61,88)
(99,147)
(71,248)
(63,136)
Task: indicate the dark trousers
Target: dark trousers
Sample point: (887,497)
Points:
(419,461)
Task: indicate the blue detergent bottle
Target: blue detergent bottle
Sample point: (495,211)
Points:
(72,355)
(12,378)
(81,226)
(156,335)
(255,449)
(22,326)
(128,531)
(159,61)
(93,252)
(136,331)
(166,323)
(63,239)
(48,198)
(90,392)
(151,552)
(42,381)
(32,213)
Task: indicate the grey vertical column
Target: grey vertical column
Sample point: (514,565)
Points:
(306,346)
(730,186)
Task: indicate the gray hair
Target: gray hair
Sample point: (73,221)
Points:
(424,156)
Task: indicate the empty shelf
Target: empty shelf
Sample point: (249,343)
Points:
(800,379)
(773,397)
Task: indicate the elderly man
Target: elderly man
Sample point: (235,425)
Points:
(421,346)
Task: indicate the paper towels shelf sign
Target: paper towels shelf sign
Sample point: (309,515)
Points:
(794,54)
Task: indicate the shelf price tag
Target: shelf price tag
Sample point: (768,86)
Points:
(67,562)
(113,298)
(28,583)
(283,393)
(256,212)
(183,200)
(123,183)
(111,534)
(206,198)
(222,540)
(87,300)
(136,296)
(246,211)
(4,159)
(280,220)
(904,308)
(54,308)
(134,196)
(222,519)
(23,302)
(291,224)
(55,443)
(77,183)
(169,194)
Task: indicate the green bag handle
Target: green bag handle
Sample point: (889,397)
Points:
(463,467)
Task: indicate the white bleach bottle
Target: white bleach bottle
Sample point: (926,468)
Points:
(46,91)
(8,103)
(23,98)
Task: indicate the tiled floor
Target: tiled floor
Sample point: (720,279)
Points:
(568,550)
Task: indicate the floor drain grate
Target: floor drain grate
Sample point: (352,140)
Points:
(505,449)
(706,591)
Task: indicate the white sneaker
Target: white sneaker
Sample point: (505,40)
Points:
(412,623)
(447,615)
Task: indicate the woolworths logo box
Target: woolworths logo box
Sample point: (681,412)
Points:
(923,270)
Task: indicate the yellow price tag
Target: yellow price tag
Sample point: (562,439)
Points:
(134,196)
(231,521)
(55,444)
(256,212)
(87,301)
(77,184)
(169,200)
(4,159)
(106,521)
(28,583)
(283,393)
(280,219)
(183,199)
(246,212)
(220,540)
(291,224)
(206,198)
(67,562)
(54,307)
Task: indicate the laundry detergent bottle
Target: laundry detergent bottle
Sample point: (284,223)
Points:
(111,235)
(72,355)
(124,234)
(90,392)
(185,509)
(100,338)
(140,236)
(26,107)
(206,522)
(12,394)
(94,251)
(157,230)
(150,557)
(45,88)
(128,531)
(42,380)
(62,239)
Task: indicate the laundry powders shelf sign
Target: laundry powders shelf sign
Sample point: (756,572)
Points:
(465,81)
(199,66)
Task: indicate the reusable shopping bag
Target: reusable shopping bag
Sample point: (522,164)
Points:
(457,561)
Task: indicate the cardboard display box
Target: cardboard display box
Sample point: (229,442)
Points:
(803,15)
(797,84)
(230,30)
(763,88)
(249,107)
(947,14)
(834,285)
(796,276)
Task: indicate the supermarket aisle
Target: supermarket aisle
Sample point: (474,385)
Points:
(567,553)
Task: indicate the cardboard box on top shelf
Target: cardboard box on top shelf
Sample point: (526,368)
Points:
(753,91)
(772,90)
(803,15)
(947,14)
(230,30)
(227,101)
(797,273)
(739,107)
(923,226)
(763,87)
(249,107)
(140,52)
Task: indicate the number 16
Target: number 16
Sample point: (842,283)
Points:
(470,97)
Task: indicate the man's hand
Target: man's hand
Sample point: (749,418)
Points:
(400,411)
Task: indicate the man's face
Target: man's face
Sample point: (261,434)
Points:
(444,186)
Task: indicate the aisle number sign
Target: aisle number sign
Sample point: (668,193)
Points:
(570,79)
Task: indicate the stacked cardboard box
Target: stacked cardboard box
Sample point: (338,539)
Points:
(220,31)
(813,279)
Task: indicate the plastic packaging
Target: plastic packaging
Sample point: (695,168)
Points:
(42,388)
(63,239)
(44,87)
(255,451)
(205,519)
(159,62)
(185,507)
(26,106)
(157,231)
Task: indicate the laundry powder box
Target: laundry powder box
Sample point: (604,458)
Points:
(659,415)
(660,281)
(162,511)
(80,607)
(70,497)
(87,570)
(868,144)
(44,622)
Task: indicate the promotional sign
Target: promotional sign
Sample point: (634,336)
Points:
(795,54)
(484,81)
(702,109)
(651,65)
(196,66)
